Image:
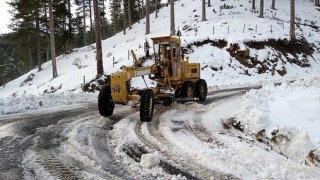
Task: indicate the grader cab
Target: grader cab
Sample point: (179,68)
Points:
(176,79)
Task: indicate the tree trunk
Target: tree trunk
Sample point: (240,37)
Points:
(84,24)
(70,27)
(114,17)
(273,4)
(103,31)
(204,10)
(156,7)
(38,40)
(209,3)
(125,10)
(30,51)
(147,17)
(261,8)
(172,24)
(91,29)
(253,4)
(98,39)
(142,10)
(53,50)
(129,14)
(47,34)
(317,2)
(292,20)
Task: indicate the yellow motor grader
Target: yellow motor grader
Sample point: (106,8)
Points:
(176,79)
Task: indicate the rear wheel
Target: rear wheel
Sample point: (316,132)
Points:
(187,89)
(201,89)
(105,103)
(146,105)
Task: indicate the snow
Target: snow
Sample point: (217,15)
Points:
(291,108)
(150,160)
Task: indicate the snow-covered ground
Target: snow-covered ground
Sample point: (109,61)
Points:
(291,108)
(197,134)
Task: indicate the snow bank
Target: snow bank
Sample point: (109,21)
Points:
(31,102)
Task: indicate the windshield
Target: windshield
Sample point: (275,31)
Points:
(158,47)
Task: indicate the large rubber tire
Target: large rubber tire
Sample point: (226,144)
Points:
(187,89)
(201,89)
(146,105)
(105,103)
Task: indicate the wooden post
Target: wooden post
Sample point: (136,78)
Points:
(84,81)
(113,62)
(271,29)
(244,27)
(256,28)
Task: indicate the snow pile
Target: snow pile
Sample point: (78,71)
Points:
(33,102)
(292,110)
(150,160)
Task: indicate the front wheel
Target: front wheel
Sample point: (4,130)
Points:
(105,103)
(201,89)
(146,105)
(187,89)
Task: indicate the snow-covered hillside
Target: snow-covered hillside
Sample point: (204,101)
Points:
(193,139)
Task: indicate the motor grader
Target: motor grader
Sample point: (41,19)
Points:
(176,80)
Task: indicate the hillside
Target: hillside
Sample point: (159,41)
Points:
(234,47)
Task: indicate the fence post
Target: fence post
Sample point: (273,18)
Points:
(113,62)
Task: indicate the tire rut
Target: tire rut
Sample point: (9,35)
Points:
(184,167)
(105,152)
(56,166)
